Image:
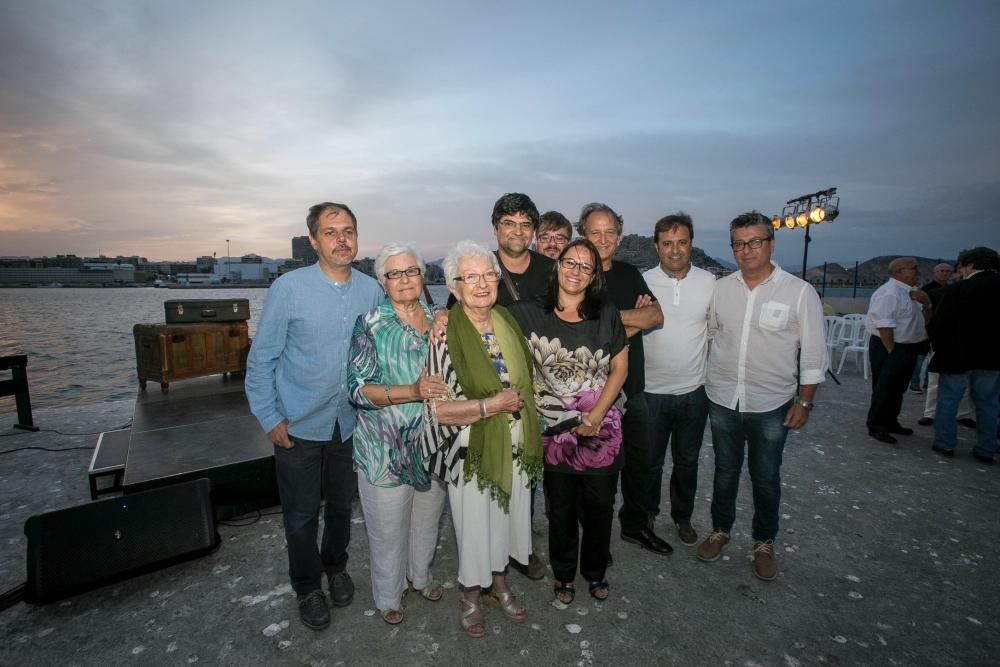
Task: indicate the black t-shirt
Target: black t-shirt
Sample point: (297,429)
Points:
(572,360)
(530,284)
(625,285)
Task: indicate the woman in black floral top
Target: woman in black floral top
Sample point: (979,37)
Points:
(580,354)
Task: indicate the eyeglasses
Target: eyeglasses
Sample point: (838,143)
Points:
(553,238)
(510,225)
(410,272)
(474,278)
(739,246)
(569,264)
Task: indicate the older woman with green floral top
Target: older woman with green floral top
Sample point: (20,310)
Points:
(387,382)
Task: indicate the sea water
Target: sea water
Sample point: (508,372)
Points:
(79,341)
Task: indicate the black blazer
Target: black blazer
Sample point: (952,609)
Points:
(965,326)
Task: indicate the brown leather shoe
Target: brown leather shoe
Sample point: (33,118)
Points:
(712,547)
(536,567)
(765,567)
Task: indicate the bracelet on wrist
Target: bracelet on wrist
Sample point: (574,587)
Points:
(482,408)
(804,403)
(387,396)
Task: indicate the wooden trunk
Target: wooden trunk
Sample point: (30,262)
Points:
(168,352)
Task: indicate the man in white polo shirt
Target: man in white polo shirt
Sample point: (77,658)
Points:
(675,368)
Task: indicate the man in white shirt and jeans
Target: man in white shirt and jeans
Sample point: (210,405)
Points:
(761,317)
(675,367)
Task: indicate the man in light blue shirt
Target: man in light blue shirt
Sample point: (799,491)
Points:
(296,385)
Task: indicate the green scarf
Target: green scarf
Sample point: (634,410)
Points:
(490,454)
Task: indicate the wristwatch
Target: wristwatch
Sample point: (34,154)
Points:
(804,403)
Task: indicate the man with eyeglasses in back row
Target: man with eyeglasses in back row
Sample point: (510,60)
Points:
(554,233)
(760,318)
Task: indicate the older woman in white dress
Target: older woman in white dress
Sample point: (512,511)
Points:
(483,438)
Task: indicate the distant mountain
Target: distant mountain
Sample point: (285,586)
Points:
(639,251)
(871,272)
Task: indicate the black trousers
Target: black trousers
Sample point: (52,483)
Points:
(576,500)
(643,467)
(307,473)
(890,378)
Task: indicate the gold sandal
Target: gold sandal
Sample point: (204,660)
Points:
(514,612)
(472,618)
(432,592)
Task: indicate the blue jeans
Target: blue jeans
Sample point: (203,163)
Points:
(307,473)
(984,387)
(677,420)
(764,435)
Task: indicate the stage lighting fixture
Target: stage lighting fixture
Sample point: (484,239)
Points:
(811,209)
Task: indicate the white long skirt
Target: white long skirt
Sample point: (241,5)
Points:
(488,537)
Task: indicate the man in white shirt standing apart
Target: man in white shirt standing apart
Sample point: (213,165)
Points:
(896,322)
(767,356)
(675,367)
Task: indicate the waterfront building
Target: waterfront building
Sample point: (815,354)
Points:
(302,250)
(87,275)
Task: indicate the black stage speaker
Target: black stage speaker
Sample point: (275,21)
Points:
(85,547)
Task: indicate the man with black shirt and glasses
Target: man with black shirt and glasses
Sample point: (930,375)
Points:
(768,342)
(638,310)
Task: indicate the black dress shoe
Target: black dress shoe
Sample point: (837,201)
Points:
(926,421)
(883,436)
(985,460)
(313,610)
(967,422)
(950,453)
(341,589)
(898,429)
(647,539)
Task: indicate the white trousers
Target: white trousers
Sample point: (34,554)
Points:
(486,535)
(402,526)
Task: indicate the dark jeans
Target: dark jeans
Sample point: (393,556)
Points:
(587,501)
(307,473)
(890,378)
(764,435)
(680,421)
(641,471)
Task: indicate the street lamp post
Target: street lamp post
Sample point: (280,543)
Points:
(807,210)
(228,277)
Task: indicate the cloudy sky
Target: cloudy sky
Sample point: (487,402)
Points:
(164,128)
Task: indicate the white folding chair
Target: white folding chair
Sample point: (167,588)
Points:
(834,325)
(855,339)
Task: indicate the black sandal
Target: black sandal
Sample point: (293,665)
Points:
(598,587)
(560,589)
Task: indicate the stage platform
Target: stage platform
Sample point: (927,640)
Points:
(202,428)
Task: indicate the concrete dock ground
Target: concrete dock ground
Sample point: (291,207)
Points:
(886,557)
